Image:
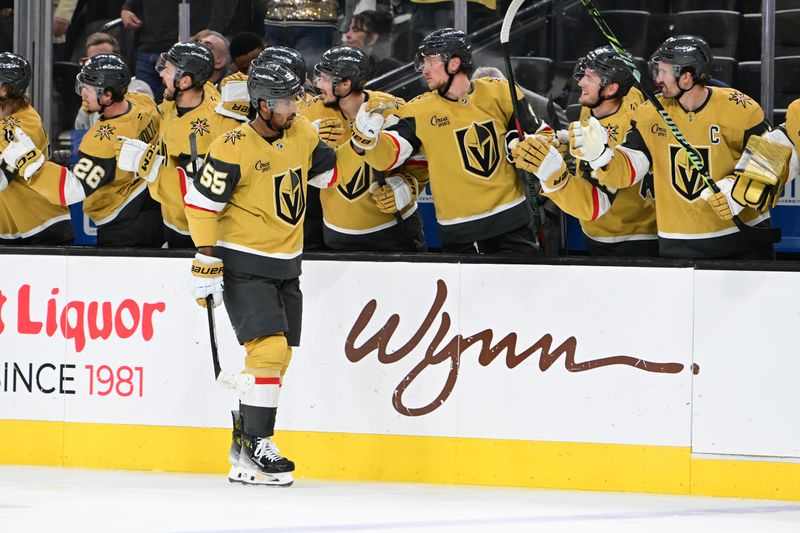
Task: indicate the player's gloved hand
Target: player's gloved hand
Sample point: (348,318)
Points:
(561,142)
(207,275)
(331,131)
(395,195)
(234,98)
(722,202)
(367,126)
(541,159)
(136,156)
(382,103)
(23,155)
(588,140)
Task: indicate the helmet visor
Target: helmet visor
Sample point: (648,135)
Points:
(422,61)
(286,105)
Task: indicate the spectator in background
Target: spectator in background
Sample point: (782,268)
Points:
(221,49)
(62,18)
(308,26)
(156,24)
(537,101)
(245,47)
(370,31)
(103,43)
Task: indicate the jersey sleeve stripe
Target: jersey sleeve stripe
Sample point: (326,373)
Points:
(403,147)
(196,200)
(62,185)
(638,163)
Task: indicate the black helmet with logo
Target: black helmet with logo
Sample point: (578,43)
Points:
(193,59)
(446,43)
(106,71)
(345,63)
(685,52)
(286,56)
(15,71)
(609,66)
(271,82)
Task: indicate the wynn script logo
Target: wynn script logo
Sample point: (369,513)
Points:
(454,348)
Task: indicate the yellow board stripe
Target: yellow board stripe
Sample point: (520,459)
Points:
(553,465)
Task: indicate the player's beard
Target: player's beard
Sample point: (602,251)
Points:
(169,95)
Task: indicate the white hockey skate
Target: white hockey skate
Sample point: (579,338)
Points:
(235,449)
(260,463)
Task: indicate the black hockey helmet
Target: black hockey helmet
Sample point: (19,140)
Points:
(193,59)
(286,56)
(15,71)
(345,62)
(609,66)
(105,72)
(685,52)
(272,82)
(446,43)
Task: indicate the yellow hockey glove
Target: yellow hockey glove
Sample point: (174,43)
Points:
(385,104)
(761,173)
(723,204)
(395,195)
(588,140)
(541,159)
(22,154)
(234,98)
(331,131)
(207,275)
(139,157)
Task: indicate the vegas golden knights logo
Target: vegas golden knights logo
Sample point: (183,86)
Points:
(290,198)
(478,146)
(685,178)
(357,185)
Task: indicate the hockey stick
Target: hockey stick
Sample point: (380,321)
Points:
(505,30)
(771,235)
(237,382)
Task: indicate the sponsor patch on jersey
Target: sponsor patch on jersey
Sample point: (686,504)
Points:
(685,178)
(479,148)
(262,166)
(290,198)
(356,185)
(440,122)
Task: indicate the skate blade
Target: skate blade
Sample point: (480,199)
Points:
(234,474)
(256,477)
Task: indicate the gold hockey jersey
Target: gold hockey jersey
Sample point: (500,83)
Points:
(475,190)
(349,213)
(607,215)
(250,197)
(183,138)
(718,130)
(110,193)
(24,213)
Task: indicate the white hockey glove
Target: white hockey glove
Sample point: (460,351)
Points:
(139,157)
(543,160)
(367,126)
(23,155)
(330,130)
(207,275)
(234,98)
(722,202)
(589,141)
(394,196)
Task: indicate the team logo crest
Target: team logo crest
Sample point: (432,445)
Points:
(233,136)
(199,126)
(740,98)
(613,131)
(290,198)
(10,123)
(478,146)
(357,185)
(104,132)
(685,178)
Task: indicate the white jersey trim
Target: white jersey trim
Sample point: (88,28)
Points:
(623,238)
(176,230)
(485,214)
(403,145)
(639,162)
(37,229)
(722,233)
(135,194)
(367,231)
(195,198)
(253,251)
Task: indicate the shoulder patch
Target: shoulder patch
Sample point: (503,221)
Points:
(739,98)
(105,132)
(199,126)
(233,136)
